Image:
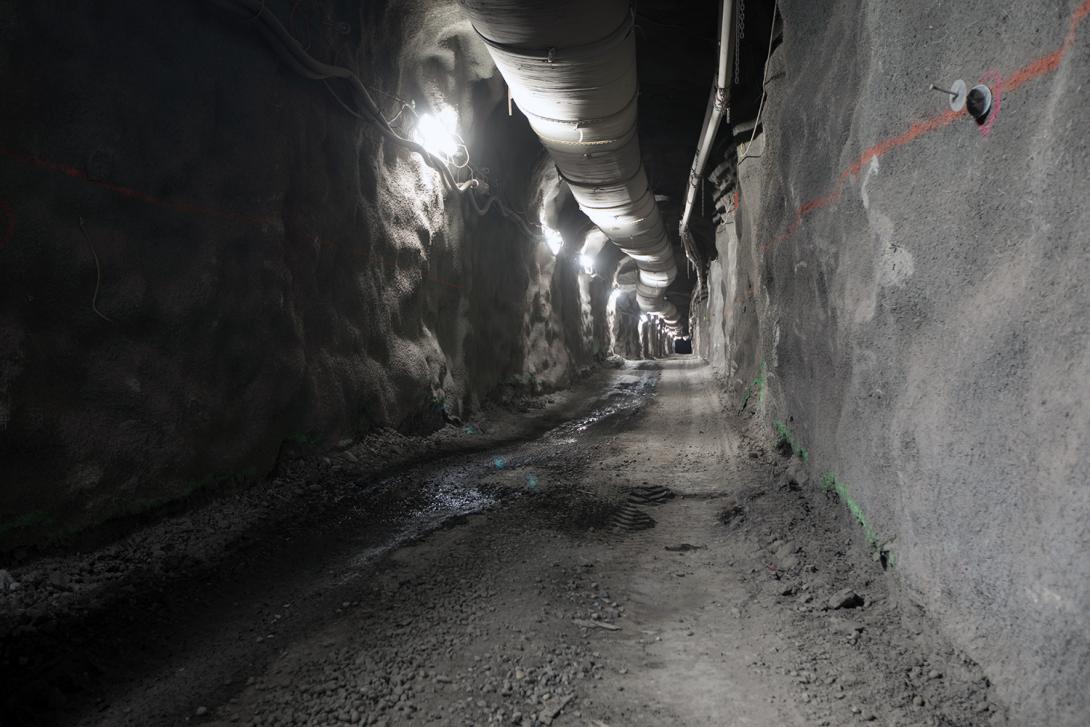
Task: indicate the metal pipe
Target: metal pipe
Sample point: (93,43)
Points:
(571,67)
(713,116)
(726,46)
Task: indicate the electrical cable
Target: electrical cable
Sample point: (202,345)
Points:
(682,30)
(306,25)
(314,69)
(289,49)
(398,114)
(764,82)
(504,210)
(432,160)
(391,96)
(98,275)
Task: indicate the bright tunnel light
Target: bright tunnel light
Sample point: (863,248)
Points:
(553,239)
(587,262)
(614,295)
(438,133)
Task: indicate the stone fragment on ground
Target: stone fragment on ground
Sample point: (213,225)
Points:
(7,582)
(596,624)
(551,712)
(845,598)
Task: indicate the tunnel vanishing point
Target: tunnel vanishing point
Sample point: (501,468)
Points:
(545,362)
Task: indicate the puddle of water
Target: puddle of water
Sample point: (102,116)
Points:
(435,502)
(415,505)
(626,395)
(452,498)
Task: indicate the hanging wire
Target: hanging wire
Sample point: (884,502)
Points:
(764,82)
(399,113)
(391,96)
(98,275)
(289,49)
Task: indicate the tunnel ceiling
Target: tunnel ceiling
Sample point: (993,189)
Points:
(676,50)
(676,45)
(676,55)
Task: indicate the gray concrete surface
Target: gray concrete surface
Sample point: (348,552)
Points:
(923,322)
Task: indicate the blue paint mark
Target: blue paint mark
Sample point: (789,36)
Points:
(531,482)
(470,429)
(499,463)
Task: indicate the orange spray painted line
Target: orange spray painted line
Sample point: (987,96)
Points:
(1036,68)
(7,214)
(181,206)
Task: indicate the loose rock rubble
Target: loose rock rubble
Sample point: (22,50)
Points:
(527,609)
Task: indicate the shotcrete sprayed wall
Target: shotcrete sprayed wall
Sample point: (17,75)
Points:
(204,260)
(624,326)
(912,289)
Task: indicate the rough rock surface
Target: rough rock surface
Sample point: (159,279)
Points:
(903,291)
(192,281)
(527,608)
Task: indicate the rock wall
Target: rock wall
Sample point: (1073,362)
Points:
(204,259)
(904,293)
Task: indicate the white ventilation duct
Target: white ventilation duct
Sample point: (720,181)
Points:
(627,276)
(571,67)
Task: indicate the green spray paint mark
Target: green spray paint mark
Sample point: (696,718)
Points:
(757,387)
(788,442)
(830,482)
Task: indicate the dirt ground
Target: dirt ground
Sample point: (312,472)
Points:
(635,556)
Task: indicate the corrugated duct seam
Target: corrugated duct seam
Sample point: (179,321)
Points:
(571,68)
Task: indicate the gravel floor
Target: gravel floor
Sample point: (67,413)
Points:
(633,555)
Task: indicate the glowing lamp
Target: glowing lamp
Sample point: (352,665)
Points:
(553,239)
(438,133)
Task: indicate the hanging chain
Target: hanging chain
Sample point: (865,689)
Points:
(739,33)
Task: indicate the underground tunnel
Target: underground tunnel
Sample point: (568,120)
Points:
(544,362)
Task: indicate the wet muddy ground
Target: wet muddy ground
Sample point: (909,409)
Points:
(633,555)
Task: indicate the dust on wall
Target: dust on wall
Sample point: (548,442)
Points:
(916,285)
(204,259)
